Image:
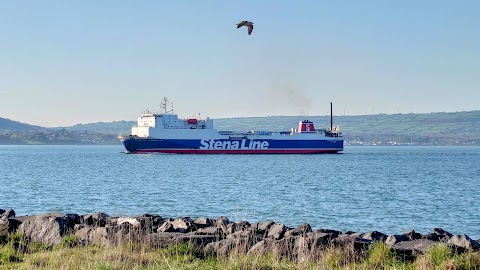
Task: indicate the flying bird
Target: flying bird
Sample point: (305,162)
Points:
(247,24)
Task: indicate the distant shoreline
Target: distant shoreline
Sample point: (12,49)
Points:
(445,129)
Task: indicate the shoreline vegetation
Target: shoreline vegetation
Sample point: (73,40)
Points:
(100,241)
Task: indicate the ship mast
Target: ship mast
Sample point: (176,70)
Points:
(164,106)
(331,116)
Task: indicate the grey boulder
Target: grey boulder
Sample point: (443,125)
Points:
(46,228)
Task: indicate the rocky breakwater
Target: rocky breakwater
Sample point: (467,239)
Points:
(218,236)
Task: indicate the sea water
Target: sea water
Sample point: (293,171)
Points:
(389,189)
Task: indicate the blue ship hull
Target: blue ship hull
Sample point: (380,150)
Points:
(226,146)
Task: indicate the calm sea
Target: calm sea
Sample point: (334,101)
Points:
(389,189)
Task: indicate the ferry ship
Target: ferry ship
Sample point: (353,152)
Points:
(166,133)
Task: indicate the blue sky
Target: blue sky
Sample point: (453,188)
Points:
(69,62)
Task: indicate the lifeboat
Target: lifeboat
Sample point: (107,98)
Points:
(192,121)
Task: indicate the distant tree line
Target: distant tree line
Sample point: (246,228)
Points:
(61,136)
(64,136)
(412,139)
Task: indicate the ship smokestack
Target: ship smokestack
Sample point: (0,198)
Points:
(306,126)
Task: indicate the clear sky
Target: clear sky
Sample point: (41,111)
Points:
(69,62)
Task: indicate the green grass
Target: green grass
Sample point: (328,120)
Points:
(443,257)
(71,255)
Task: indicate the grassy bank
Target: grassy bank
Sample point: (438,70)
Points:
(15,254)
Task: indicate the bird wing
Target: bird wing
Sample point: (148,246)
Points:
(250,29)
(240,24)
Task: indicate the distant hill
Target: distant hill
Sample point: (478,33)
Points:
(14,132)
(15,126)
(455,128)
(116,127)
(420,124)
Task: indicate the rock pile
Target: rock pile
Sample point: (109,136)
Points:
(216,236)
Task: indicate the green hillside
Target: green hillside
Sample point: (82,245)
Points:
(14,126)
(456,128)
(411,124)
(116,127)
(419,124)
